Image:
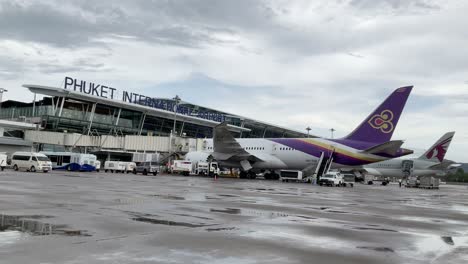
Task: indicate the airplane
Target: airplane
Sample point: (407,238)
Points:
(368,143)
(428,164)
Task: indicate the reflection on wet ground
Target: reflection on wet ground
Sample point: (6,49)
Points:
(380,249)
(165,222)
(171,219)
(27,224)
(226,211)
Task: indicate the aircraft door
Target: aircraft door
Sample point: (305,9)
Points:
(274,149)
(407,167)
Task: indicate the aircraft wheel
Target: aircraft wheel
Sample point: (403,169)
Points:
(243,175)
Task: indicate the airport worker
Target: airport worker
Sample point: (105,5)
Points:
(399,182)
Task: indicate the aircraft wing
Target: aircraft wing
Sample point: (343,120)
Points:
(226,147)
(390,147)
(445,164)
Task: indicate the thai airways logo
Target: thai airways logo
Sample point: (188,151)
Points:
(439,150)
(382,121)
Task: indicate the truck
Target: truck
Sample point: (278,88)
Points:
(337,178)
(412,182)
(206,168)
(428,182)
(3,161)
(183,167)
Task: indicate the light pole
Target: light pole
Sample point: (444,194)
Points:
(2,90)
(177,101)
(332,130)
(308,131)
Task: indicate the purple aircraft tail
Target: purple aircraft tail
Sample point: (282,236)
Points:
(378,127)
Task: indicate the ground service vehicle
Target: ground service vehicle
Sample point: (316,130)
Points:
(147,167)
(206,168)
(331,179)
(428,182)
(119,166)
(30,161)
(183,167)
(349,179)
(112,166)
(97,164)
(3,161)
(72,161)
(291,175)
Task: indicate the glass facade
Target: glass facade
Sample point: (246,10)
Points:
(76,117)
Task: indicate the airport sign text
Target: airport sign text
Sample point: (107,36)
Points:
(107,92)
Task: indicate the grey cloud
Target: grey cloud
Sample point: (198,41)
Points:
(394,4)
(43,23)
(180,23)
(11,68)
(81,65)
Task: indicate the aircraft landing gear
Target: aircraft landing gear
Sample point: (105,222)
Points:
(243,175)
(252,175)
(271,176)
(247,175)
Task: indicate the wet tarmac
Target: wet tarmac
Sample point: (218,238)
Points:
(64,217)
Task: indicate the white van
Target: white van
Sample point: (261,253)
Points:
(119,166)
(3,160)
(30,161)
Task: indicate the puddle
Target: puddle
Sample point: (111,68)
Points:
(194,216)
(226,211)
(155,221)
(379,249)
(220,229)
(228,195)
(306,217)
(212,198)
(374,229)
(76,176)
(170,197)
(337,212)
(10,237)
(29,224)
(448,240)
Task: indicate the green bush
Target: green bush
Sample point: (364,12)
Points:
(458,176)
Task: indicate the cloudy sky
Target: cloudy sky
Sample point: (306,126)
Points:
(296,63)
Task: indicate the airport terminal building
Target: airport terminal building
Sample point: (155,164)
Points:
(85,114)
